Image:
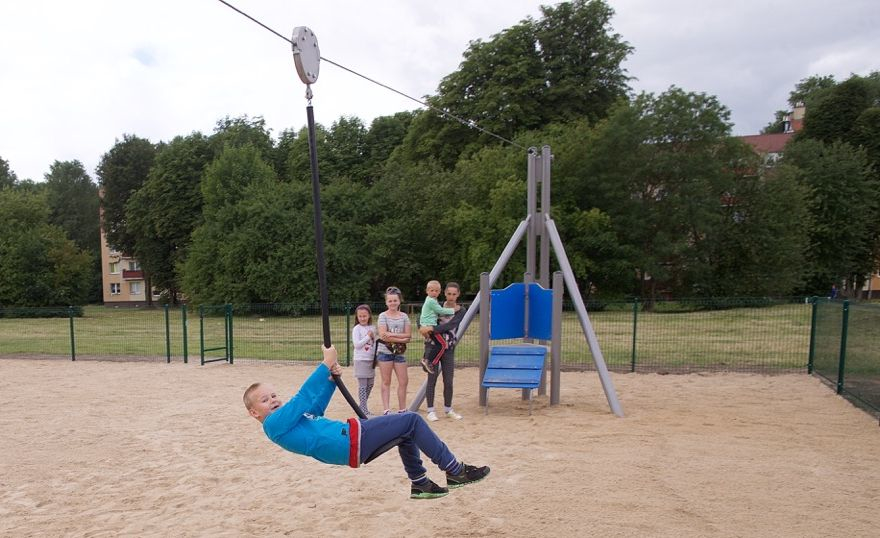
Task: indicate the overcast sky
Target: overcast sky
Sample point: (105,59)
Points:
(76,76)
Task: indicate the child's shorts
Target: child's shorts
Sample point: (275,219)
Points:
(388,357)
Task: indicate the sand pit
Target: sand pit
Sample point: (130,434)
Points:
(149,449)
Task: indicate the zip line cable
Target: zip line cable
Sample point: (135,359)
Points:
(443,113)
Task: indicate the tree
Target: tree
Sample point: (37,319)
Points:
(660,167)
(74,203)
(240,252)
(243,131)
(163,213)
(564,66)
(7,176)
(843,201)
(385,134)
(834,115)
(121,172)
(761,246)
(39,265)
(810,89)
(74,207)
(344,150)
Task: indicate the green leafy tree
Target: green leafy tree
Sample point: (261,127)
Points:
(843,200)
(659,167)
(564,66)
(385,134)
(74,206)
(760,248)
(344,150)
(810,89)
(74,203)
(39,265)
(243,131)
(834,115)
(121,172)
(163,213)
(7,176)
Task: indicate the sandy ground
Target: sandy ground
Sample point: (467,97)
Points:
(147,449)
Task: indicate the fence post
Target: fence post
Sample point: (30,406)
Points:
(72,338)
(842,358)
(185,337)
(815,302)
(348,333)
(635,326)
(167,337)
(229,333)
(202,333)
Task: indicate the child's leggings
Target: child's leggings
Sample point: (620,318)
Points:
(365,387)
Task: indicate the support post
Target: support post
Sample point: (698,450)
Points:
(841,360)
(485,290)
(531,208)
(814,302)
(592,341)
(185,336)
(632,367)
(556,339)
(544,273)
(167,336)
(70,313)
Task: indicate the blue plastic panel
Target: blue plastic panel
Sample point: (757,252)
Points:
(540,312)
(508,312)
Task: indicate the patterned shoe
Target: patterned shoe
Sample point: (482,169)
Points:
(453,415)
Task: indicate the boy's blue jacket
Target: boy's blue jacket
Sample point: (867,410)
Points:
(300,426)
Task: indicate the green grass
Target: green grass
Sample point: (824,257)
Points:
(768,338)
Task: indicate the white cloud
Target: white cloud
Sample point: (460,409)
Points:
(79,75)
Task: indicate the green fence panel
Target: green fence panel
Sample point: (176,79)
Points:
(36,332)
(861,366)
(826,345)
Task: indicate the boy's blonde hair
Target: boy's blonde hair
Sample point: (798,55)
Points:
(247,395)
(433,282)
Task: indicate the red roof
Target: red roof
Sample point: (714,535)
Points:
(768,143)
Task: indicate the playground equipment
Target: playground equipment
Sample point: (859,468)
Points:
(538,224)
(522,310)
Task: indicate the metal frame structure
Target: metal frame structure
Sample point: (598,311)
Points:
(538,224)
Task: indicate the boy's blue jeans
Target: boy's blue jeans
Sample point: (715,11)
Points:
(415,435)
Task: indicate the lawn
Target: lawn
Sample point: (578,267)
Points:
(744,339)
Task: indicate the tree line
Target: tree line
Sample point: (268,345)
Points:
(652,194)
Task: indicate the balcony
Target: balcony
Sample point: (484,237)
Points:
(130,274)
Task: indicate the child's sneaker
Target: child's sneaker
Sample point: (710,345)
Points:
(428,490)
(432,416)
(468,475)
(427,366)
(453,415)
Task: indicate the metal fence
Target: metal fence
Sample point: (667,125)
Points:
(837,340)
(845,349)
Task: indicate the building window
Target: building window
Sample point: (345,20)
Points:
(134,266)
(115,288)
(136,288)
(114,268)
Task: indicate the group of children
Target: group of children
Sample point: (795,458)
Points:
(300,426)
(386,347)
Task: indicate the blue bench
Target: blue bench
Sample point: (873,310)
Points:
(514,367)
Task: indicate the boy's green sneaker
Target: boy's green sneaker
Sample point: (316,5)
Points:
(428,490)
(468,475)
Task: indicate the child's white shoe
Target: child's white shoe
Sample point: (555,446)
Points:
(432,416)
(453,415)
